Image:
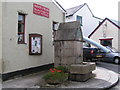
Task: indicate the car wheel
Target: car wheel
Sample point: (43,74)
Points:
(116,60)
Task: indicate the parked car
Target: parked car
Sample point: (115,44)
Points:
(112,56)
(100,52)
(92,54)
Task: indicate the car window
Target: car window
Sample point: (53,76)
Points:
(85,44)
(111,49)
(100,50)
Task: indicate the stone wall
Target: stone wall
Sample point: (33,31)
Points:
(68,52)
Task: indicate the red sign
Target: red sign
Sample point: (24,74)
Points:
(40,10)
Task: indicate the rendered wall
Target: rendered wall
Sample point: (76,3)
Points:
(111,31)
(0,37)
(16,56)
(119,25)
(0,42)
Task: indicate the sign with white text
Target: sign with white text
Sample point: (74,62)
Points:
(40,10)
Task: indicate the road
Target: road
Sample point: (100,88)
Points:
(113,67)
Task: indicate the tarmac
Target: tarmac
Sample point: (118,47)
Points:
(103,79)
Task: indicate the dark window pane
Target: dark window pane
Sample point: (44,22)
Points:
(79,18)
(20,27)
(106,42)
(55,25)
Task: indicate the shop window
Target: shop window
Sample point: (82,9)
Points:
(35,44)
(79,18)
(21,28)
(106,42)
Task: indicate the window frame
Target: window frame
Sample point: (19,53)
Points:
(53,25)
(22,33)
(81,23)
(102,42)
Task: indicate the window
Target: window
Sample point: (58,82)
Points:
(106,42)
(21,28)
(79,18)
(35,44)
(55,25)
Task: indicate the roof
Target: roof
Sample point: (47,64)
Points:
(73,10)
(69,31)
(58,5)
(114,22)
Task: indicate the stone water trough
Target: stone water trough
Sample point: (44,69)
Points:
(81,72)
(68,48)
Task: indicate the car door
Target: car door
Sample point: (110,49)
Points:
(100,54)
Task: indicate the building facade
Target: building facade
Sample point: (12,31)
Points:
(107,33)
(26,34)
(83,14)
(119,24)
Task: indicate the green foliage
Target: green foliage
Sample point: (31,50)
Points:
(56,75)
(64,69)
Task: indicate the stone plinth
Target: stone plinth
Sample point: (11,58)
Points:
(68,44)
(81,72)
(82,68)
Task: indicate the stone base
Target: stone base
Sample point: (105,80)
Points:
(84,68)
(80,77)
(81,72)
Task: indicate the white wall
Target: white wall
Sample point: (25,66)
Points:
(119,25)
(16,56)
(70,19)
(111,31)
(89,22)
(0,37)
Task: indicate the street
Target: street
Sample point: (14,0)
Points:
(113,67)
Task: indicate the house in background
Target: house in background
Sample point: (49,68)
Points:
(26,36)
(83,14)
(107,33)
(119,25)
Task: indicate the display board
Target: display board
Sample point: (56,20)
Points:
(35,44)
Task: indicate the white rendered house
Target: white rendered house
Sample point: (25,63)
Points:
(26,30)
(107,33)
(83,14)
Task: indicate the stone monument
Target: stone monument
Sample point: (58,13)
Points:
(68,49)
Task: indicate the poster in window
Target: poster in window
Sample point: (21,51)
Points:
(35,44)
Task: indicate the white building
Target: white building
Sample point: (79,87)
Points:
(26,36)
(119,24)
(83,14)
(107,33)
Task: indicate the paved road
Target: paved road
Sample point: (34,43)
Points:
(113,67)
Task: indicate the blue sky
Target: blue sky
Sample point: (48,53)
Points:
(100,8)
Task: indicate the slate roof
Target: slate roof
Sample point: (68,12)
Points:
(73,10)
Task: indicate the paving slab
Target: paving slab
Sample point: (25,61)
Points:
(103,79)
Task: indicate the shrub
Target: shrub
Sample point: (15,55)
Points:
(56,75)
(64,69)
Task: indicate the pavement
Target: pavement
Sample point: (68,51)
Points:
(103,79)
